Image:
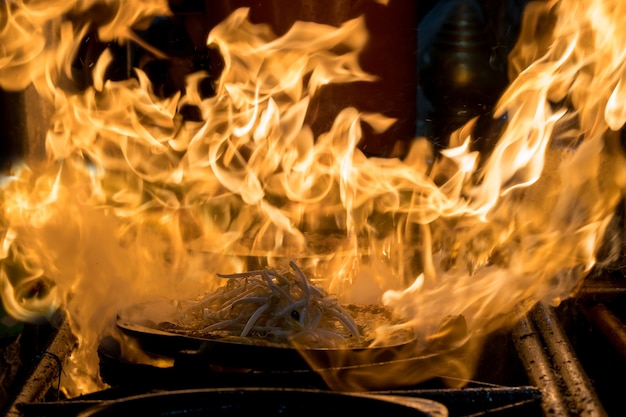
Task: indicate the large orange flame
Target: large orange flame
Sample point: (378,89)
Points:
(133,202)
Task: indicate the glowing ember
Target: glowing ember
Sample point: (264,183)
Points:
(133,202)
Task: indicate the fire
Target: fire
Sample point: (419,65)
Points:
(134,202)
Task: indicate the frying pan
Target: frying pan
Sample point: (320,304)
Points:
(342,369)
(239,355)
(282,402)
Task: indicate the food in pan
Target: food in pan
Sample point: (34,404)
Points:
(268,307)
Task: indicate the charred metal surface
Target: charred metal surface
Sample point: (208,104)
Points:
(578,385)
(24,117)
(45,375)
(522,400)
(604,287)
(264,401)
(552,365)
(55,408)
(601,290)
(610,325)
(517,401)
(538,367)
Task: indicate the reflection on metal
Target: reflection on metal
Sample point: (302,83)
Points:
(456,74)
(24,119)
(610,325)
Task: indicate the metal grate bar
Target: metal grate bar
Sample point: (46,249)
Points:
(563,357)
(538,367)
(47,370)
(610,325)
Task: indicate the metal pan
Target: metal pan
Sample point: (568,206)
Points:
(350,369)
(252,356)
(282,402)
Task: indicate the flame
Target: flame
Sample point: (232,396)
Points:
(134,202)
